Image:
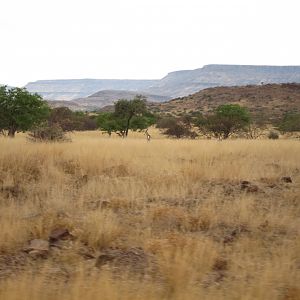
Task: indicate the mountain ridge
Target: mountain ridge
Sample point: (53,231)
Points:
(174,84)
(108,97)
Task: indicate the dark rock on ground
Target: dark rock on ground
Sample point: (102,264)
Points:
(249,187)
(59,234)
(286,179)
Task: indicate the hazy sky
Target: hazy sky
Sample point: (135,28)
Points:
(54,39)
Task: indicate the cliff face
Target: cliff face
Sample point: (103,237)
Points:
(175,84)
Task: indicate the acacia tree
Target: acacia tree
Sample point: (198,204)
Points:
(127,115)
(109,123)
(127,109)
(226,120)
(20,110)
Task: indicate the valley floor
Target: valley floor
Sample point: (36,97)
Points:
(107,218)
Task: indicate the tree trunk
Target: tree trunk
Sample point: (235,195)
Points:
(127,126)
(11,132)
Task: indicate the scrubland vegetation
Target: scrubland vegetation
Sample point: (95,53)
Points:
(169,219)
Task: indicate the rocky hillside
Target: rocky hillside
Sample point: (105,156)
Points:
(175,84)
(269,101)
(70,104)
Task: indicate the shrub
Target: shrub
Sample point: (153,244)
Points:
(176,127)
(290,122)
(70,121)
(273,135)
(226,120)
(48,133)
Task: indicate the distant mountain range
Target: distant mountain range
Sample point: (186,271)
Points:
(104,98)
(70,89)
(108,97)
(175,84)
(183,83)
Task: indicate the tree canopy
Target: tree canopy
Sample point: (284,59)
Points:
(20,110)
(226,120)
(127,115)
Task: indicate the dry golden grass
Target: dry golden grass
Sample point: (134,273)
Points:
(180,203)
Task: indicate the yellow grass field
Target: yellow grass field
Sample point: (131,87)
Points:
(169,219)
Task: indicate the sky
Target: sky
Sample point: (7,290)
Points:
(141,39)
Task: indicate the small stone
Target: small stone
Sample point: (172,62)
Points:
(103,259)
(252,189)
(59,234)
(38,254)
(287,179)
(220,264)
(245,184)
(249,187)
(228,239)
(37,248)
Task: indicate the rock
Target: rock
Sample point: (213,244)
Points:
(245,183)
(38,254)
(37,248)
(249,187)
(228,239)
(220,264)
(37,244)
(59,234)
(104,259)
(286,179)
(252,189)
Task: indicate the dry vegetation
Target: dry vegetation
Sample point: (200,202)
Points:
(161,220)
(267,102)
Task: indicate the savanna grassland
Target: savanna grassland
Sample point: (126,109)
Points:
(169,219)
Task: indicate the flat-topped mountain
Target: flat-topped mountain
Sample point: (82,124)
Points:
(69,89)
(175,84)
(183,83)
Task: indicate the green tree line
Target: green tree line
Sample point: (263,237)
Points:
(22,111)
